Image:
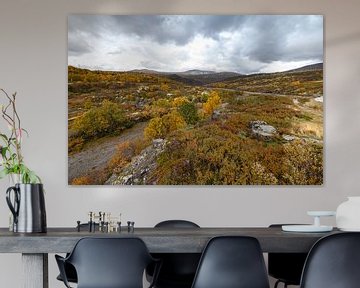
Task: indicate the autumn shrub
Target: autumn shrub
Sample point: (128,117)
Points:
(212,103)
(309,129)
(189,112)
(163,103)
(106,119)
(75,144)
(96,177)
(303,116)
(276,111)
(159,127)
(160,107)
(125,152)
(203,97)
(260,176)
(211,156)
(303,100)
(155,128)
(83,180)
(178,101)
(303,164)
(88,104)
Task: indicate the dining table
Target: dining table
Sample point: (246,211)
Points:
(35,247)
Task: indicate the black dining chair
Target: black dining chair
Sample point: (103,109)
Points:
(178,269)
(70,271)
(333,262)
(108,263)
(286,267)
(232,262)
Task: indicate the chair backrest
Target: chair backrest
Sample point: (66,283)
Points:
(333,262)
(178,269)
(176,224)
(110,262)
(232,262)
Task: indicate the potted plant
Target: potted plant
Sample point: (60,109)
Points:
(12,161)
(26,197)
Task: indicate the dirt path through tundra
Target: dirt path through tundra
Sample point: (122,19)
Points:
(96,156)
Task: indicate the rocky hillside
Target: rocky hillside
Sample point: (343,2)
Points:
(141,166)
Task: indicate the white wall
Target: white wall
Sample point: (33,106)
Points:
(33,62)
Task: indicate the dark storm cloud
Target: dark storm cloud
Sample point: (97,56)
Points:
(285,38)
(249,41)
(162,28)
(212,26)
(89,24)
(177,29)
(78,45)
(265,37)
(83,31)
(169,28)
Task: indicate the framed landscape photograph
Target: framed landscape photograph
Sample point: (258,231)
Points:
(195,100)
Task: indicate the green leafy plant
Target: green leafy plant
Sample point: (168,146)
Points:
(189,113)
(12,161)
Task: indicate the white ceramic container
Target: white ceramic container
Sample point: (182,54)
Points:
(348,214)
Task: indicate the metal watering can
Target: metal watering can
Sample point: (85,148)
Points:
(28,208)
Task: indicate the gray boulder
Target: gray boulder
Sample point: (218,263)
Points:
(262,130)
(288,137)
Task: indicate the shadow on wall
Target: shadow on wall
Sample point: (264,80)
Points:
(344,39)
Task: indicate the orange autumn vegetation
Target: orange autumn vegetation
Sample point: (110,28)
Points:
(206,127)
(213,156)
(125,152)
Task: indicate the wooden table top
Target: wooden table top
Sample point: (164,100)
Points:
(158,240)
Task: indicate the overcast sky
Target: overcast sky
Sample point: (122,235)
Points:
(244,44)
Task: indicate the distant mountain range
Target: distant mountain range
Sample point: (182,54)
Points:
(188,72)
(193,77)
(206,77)
(203,77)
(197,72)
(197,77)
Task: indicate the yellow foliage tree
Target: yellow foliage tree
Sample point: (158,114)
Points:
(173,121)
(212,103)
(159,127)
(154,129)
(108,118)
